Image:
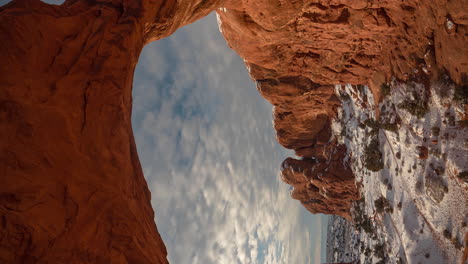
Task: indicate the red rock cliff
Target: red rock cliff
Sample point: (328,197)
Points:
(72,187)
(296,51)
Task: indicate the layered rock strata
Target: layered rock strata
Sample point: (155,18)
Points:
(297,50)
(322,184)
(72,187)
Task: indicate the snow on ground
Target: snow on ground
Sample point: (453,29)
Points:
(407,160)
(341,240)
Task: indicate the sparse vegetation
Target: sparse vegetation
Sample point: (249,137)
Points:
(417,108)
(435,152)
(362,221)
(456,243)
(435,187)
(344,133)
(463,176)
(461,94)
(372,123)
(368,252)
(463,123)
(372,156)
(451,120)
(385,89)
(382,205)
(344,96)
(376,125)
(393,127)
(447,234)
(380,251)
(435,131)
(419,186)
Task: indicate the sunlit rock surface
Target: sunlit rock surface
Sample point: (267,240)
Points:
(72,188)
(297,55)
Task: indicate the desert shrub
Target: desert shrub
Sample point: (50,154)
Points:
(367,226)
(461,94)
(463,176)
(372,123)
(435,131)
(451,120)
(385,89)
(393,127)
(367,252)
(463,123)
(435,152)
(419,186)
(372,156)
(435,187)
(456,243)
(345,97)
(344,133)
(417,108)
(382,205)
(362,221)
(447,234)
(379,250)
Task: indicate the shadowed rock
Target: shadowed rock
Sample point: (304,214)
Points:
(322,185)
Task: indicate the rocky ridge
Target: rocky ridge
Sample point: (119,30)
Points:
(296,55)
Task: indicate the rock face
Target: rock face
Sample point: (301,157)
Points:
(348,41)
(72,187)
(322,185)
(296,54)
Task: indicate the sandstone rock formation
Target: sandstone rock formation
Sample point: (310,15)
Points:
(72,187)
(296,54)
(322,184)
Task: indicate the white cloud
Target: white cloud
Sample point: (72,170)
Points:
(208,151)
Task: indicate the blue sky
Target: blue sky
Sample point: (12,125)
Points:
(208,150)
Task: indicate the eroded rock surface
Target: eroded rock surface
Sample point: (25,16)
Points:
(72,187)
(324,184)
(296,55)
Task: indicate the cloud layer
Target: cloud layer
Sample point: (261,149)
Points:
(208,151)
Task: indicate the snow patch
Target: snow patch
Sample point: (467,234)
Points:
(422,212)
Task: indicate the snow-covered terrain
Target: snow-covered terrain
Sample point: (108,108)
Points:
(341,240)
(410,156)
